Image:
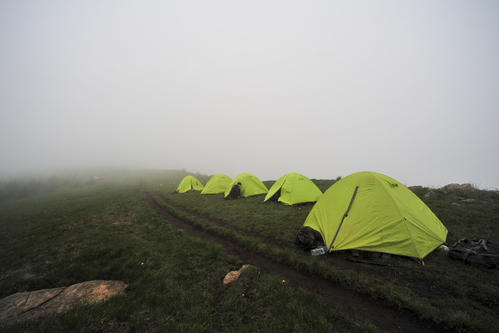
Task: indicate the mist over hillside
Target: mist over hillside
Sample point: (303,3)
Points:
(328,88)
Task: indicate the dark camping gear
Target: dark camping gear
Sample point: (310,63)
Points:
(477,252)
(307,239)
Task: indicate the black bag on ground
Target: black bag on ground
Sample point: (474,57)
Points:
(307,239)
(478,252)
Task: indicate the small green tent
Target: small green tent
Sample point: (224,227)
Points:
(373,212)
(250,185)
(292,189)
(217,184)
(189,183)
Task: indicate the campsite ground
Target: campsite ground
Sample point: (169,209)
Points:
(174,250)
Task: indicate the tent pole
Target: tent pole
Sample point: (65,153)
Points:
(344,216)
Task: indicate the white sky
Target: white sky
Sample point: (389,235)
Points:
(324,88)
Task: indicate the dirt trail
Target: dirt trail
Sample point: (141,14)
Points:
(331,260)
(337,260)
(226,224)
(358,306)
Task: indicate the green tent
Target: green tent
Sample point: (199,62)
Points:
(373,212)
(292,189)
(217,184)
(250,185)
(188,184)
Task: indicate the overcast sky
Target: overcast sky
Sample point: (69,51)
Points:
(324,88)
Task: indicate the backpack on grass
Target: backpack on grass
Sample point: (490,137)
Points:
(477,252)
(308,238)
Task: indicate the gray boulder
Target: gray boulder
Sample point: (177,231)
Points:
(34,304)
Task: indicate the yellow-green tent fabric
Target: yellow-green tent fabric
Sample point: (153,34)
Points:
(250,185)
(217,184)
(189,183)
(373,212)
(295,188)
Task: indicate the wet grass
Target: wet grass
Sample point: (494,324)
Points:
(108,231)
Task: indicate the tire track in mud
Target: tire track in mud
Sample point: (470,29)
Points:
(351,264)
(331,260)
(358,306)
(226,224)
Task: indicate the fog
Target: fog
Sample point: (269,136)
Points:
(324,88)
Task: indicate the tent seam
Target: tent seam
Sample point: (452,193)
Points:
(403,217)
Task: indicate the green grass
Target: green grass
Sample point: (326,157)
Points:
(107,231)
(448,292)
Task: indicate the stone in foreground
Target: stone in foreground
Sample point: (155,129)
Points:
(40,303)
(234,275)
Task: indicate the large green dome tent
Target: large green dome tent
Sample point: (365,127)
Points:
(293,188)
(250,185)
(217,184)
(373,212)
(189,183)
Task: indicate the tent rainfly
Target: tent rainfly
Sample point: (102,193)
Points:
(189,184)
(250,185)
(373,212)
(292,189)
(217,184)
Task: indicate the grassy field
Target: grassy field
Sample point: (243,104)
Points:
(60,235)
(107,230)
(446,292)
